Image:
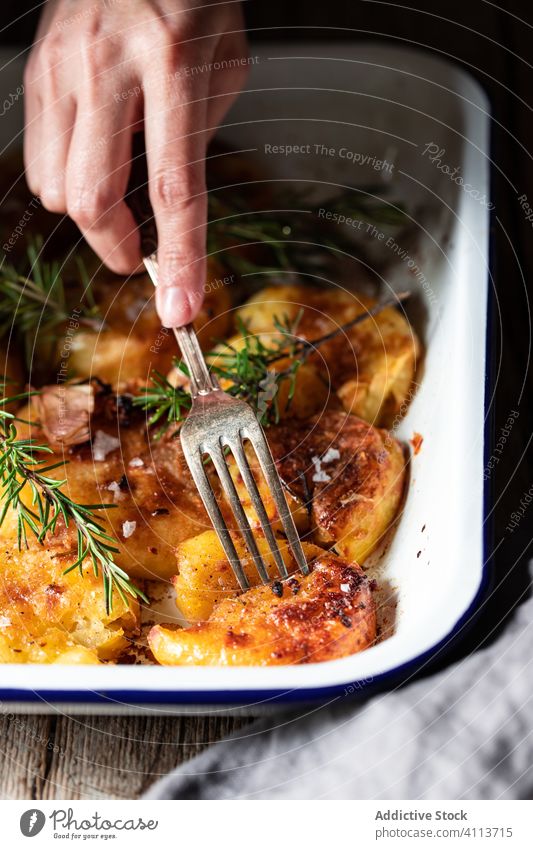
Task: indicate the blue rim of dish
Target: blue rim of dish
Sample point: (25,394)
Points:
(424,661)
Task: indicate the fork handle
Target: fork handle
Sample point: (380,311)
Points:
(202,382)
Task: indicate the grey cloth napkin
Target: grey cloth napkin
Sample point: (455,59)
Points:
(464,733)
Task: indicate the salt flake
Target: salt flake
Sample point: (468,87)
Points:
(118,495)
(128,528)
(135,463)
(345,588)
(320,476)
(330,455)
(103,444)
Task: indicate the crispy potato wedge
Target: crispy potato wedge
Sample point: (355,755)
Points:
(354,497)
(371,367)
(205,577)
(48,616)
(322,616)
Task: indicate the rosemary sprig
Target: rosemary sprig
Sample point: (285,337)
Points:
(163,403)
(248,369)
(21,469)
(33,298)
(292,239)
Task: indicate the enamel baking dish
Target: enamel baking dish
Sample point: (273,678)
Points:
(358,115)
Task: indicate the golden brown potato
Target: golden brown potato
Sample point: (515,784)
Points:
(205,577)
(349,473)
(155,502)
(47,616)
(325,615)
(296,397)
(371,366)
(359,497)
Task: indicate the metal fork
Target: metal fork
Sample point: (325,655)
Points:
(218,421)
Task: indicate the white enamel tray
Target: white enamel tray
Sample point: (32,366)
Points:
(386,104)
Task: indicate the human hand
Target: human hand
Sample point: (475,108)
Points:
(100,73)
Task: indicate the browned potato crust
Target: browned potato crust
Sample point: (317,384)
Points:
(205,577)
(359,502)
(326,615)
(370,367)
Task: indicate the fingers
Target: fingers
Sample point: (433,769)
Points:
(97,176)
(175,146)
(32,132)
(55,126)
(226,83)
(50,115)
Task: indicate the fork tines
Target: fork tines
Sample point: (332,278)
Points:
(248,428)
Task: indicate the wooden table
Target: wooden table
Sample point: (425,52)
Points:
(119,757)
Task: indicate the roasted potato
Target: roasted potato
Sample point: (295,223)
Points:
(350,474)
(349,501)
(154,502)
(371,367)
(47,616)
(325,615)
(205,577)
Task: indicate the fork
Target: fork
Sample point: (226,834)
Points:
(216,422)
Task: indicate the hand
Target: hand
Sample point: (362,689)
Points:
(97,73)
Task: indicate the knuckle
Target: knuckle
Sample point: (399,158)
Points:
(155,35)
(87,206)
(50,52)
(96,54)
(177,189)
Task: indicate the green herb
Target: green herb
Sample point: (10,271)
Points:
(163,402)
(33,299)
(296,239)
(248,368)
(21,469)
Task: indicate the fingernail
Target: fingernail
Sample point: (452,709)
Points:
(173,306)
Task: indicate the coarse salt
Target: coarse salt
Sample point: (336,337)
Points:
(330,455)
(128,528)
(320,476)
(135,463)
(5,621)
(118,495)
(103,444)
(345,588)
